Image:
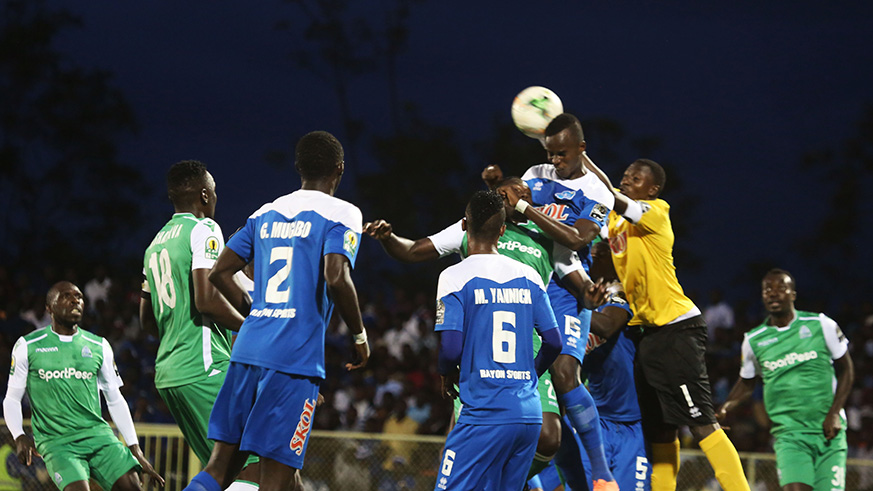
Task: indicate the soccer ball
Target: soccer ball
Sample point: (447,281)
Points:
(534,108)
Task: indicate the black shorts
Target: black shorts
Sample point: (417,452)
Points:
(672,383)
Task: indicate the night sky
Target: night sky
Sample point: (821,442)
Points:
(738,93)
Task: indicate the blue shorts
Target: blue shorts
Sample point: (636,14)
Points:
(487,457)
(268,413)
(548,479)
(625,454)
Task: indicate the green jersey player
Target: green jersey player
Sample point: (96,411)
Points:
(189,315)
(525,242)
(61,367)
(796,353)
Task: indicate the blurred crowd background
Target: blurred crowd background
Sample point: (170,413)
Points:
(398,391)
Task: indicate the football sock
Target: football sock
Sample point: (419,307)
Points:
(203,482)
(665,465)
(242,486)
(725,461)
(568,460)
(583,414)
(540,462)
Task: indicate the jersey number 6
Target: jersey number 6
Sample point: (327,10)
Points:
(501,337)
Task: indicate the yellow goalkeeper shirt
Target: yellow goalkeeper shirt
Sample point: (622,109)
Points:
(643,258)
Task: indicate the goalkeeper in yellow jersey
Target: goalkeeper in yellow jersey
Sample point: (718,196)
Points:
(672,382)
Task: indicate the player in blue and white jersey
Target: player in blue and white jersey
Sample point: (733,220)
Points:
(487,308)
(566,191)
(609,364)
(303,246)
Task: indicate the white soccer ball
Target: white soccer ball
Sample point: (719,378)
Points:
(534,108)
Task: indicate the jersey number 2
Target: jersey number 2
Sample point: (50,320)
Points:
(162,274)
(273,294)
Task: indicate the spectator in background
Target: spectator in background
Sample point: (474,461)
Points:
(718,314)
(97,288)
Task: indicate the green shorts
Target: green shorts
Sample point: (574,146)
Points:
(548,397)
(101,456)
(810,459)
(191,405)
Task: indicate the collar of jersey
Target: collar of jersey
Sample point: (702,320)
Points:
(183,214)
(785,328)
(64,337)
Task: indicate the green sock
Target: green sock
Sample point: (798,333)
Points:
(540,462)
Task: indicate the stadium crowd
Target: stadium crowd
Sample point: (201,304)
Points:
(399,390)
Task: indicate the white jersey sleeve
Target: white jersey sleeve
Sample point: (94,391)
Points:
(749,367)
(449,240)
(565,261)
(206,243)
(108,377)
(834,337)
(20,365)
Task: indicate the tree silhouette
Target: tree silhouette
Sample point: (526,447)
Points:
(63,190)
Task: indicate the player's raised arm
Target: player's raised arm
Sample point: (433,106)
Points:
(337,275)
(221,276)
(401,248)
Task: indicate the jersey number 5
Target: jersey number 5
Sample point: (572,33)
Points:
(501,337)
(162,275)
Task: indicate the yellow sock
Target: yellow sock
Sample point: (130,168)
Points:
(725,461)
(665,465)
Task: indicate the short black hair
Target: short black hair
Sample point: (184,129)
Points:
(657,172)
(485,214)
(317,155)
(185,179)
(780,272)
(562,122)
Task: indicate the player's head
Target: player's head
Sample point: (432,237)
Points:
(778,291)
(485,216)
(319,156)
(191,188)
(601,262)
(521,190)
(643,179)
(65,303)
(565,143)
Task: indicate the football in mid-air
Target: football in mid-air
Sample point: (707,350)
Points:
(534,108)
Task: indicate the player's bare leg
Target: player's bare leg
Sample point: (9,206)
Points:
(78,486)
(129,481)
(276,476)
(548,443)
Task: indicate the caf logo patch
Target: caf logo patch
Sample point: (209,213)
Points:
(440,312)
(599,212)
(350,242)
(211,248)
(12,368)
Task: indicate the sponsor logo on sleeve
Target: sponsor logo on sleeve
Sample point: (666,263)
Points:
(440,312)
(840,336)
(599,212)
(211,248)
(350,242)
(12,368)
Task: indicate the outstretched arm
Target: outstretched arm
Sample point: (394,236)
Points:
(401,248)
(622,202)
(221,276)
(573,237)
(741,391)
(337,275)
(605,324)
(120,414)
(845,378)
(209,301)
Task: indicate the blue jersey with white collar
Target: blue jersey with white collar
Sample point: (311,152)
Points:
(496,302)
(288,239)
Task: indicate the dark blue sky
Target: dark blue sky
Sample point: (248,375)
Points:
(737,93)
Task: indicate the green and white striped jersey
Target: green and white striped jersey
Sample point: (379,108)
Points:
(191,345)
(796,365)
(61,375)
